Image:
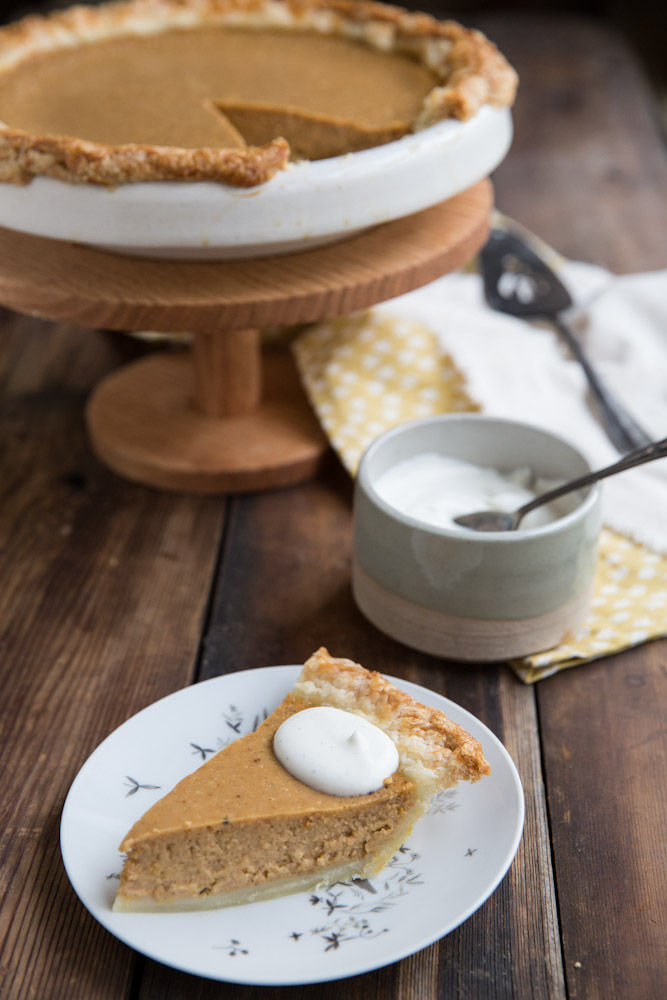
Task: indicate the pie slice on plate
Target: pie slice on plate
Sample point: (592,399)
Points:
(243,827)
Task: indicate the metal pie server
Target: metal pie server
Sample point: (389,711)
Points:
(517,281)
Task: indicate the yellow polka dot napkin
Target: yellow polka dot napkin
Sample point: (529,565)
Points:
(629,607)
(371,371)
(366,373)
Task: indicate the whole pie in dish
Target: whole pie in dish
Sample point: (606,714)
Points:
(228,90)
(243,828)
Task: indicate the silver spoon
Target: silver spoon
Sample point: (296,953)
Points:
(518,282)
(495,520)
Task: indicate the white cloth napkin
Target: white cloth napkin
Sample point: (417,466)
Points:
(523,371)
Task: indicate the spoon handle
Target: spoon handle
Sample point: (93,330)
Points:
(657,449)
(623,431)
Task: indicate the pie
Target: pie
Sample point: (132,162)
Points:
(242,827)
(228,90)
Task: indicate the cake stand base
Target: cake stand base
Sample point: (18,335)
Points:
(144,424)
(224,417)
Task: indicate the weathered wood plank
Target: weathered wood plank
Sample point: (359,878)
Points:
(603,733)
(104,589)
(587,169)
(588,172)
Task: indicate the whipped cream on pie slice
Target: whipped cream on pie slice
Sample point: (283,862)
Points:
(243,828)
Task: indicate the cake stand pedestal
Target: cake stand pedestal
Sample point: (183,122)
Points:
(225,416)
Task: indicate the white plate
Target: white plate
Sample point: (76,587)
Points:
(307,205)
(454,860)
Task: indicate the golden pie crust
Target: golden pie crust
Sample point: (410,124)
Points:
(242,828)
(466,69)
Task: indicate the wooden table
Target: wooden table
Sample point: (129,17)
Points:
(114,595)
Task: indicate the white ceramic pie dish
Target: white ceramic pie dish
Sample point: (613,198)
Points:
(309,204)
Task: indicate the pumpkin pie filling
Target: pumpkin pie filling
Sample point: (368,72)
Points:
(219,87)
(242,827)
(228,90)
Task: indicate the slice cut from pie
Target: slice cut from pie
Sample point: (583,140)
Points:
(242,828)
(228,90)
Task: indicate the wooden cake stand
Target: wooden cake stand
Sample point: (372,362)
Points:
(225,417)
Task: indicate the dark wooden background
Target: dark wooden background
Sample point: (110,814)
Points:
(642,22)
(113,595)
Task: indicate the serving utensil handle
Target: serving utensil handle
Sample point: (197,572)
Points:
(623,431)
(657,449)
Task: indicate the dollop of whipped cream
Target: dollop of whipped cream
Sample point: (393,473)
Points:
(334,751)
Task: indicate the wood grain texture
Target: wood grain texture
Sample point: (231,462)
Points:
(588,172)
(587,169)
(227,372)
(104,591)
(221,427)
(603,733)
(67,281)
(145,423)
(113,595)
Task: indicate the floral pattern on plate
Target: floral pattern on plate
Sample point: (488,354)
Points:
(455,857)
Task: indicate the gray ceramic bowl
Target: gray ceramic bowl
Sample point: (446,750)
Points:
(466,595)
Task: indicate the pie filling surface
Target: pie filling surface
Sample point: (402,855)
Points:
(219,87)
(228,90)
(241,827)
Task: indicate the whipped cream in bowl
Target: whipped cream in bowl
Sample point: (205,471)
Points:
(436,488)
(472,596)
